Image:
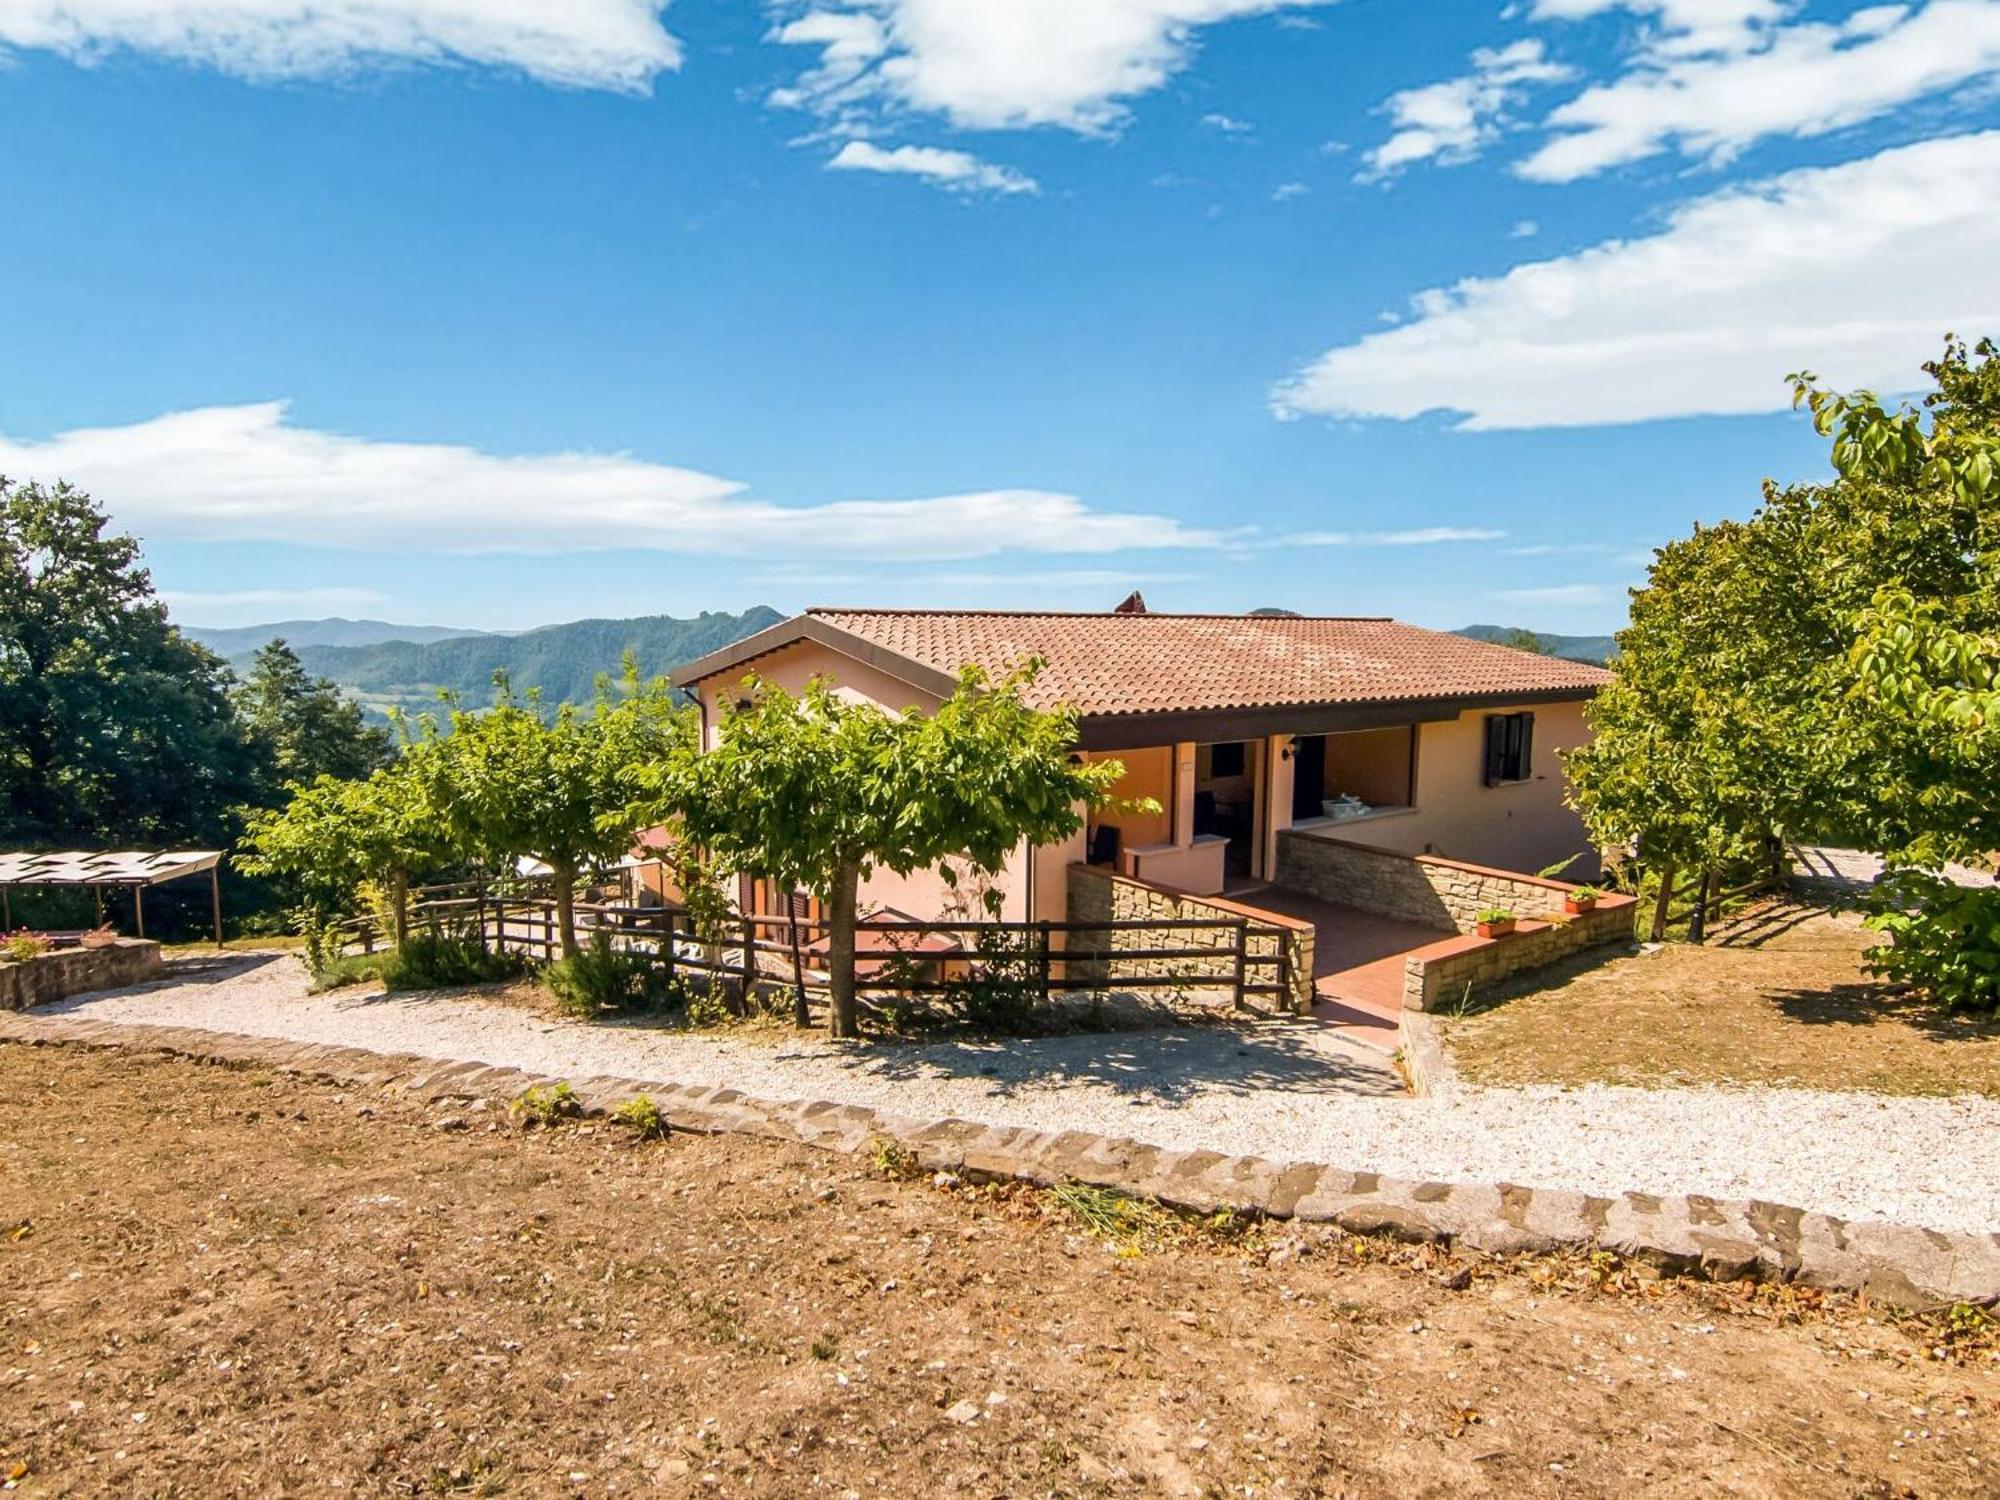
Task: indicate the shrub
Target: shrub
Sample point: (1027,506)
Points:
(355,968)
(1004,990)
(643,1116)
(600,976)
(1496,914)
(443,960)
(19,947)
(549,1106)
(1583,895)
(708,1007)
(1944,940)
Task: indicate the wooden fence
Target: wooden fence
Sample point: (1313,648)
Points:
(1700,896)
(1245,960)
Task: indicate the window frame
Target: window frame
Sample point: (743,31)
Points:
(1518,727)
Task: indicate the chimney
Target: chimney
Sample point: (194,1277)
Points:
(1135,604)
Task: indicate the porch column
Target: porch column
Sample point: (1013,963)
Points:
(1277,800)
(1184,794)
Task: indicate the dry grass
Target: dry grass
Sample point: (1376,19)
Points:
(216,1282)
(1779,997)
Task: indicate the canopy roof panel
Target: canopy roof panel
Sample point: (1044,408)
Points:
(101,867)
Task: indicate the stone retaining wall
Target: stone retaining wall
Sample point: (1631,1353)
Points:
(1451,972)
(77,971)
(1722,1238)
(1421,888)
(1101,895)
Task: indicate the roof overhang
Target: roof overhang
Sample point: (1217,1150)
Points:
(738,656)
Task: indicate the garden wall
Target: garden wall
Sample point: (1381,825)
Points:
(1446,972)
(1421,888)
(77,971)
(1100,895)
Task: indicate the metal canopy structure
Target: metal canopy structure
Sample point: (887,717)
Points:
(135,868)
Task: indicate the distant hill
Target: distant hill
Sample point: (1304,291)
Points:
(1596,649)
(241,639)
(563,661)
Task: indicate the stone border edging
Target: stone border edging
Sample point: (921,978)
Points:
(1724,1239)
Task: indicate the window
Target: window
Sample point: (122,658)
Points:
(1227,759)
(1510,740)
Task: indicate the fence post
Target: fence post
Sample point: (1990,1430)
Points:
(1047,963)
(1242,958)
(749,961)
(667,948)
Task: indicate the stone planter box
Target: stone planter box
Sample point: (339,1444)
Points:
(77,971)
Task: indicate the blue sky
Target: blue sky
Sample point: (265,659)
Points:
(453,311)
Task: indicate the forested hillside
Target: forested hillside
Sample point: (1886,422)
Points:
(563,661)
(241,640)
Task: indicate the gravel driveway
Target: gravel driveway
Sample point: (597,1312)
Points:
(1287,1091)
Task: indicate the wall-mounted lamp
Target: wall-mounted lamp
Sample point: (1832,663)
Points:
(1286,753)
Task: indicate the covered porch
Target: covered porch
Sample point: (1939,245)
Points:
(1220,804)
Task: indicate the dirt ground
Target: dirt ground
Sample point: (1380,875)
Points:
(1780,997)
(223,1282)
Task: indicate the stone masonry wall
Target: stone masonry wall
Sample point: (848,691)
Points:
(1421,888)
(1098,895)
(77,971)
(1439,980)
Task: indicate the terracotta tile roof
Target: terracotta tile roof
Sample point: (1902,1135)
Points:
(1147,663)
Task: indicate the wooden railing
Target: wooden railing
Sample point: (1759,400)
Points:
(1243,959)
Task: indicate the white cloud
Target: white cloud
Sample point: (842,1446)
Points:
(1570,594)
(1284,192)
(1450,121)
(1855,271)
(608,44)
(243,473)
(1420,536)
(1724,78)
(955,171)
(1684,26)
(1227,124)
(1524,229)
(999,64)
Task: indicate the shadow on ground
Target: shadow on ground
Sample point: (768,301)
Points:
(1157,1067)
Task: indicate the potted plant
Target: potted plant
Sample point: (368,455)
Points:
(99,937)
(1584,898)
(1495,921)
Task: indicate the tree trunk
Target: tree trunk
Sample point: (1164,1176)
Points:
(1663,901)
(399,908)
(565,888)
(843,899)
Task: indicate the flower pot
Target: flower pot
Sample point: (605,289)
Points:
(1496,929)
(1577,908)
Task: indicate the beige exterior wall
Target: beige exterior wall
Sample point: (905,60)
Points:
(1520,826)
(1372,764)
(1148,773)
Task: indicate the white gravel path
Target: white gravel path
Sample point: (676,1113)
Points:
(1291,1092)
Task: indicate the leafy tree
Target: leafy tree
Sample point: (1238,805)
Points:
(509,782)
(1521,639)
(817,792)
(1828,669)
(335,834)
(114,728)
(302,726)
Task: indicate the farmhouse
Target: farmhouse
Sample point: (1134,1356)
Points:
(1374,781)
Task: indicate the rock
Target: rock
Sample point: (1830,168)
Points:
(452,1122)
(962,1412)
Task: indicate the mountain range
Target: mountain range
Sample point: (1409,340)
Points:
(240,640)
(562,662)
(387,666)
